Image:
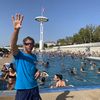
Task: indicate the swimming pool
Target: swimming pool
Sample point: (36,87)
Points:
(62,63)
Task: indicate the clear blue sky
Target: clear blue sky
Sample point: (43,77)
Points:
(66,17)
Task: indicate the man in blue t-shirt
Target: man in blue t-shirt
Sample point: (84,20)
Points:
(25,63)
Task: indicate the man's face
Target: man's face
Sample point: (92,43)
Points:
(28,46)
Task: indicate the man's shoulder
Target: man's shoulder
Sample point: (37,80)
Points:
(18,53)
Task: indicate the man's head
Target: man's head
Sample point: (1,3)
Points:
(28,43)
(28,38)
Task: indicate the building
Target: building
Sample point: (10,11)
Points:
(50,43)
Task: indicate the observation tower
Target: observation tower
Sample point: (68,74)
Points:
(41,19)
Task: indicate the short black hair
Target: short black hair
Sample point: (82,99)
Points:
(28,38)
(59,76)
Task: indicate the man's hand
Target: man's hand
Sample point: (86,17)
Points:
(37,74)
(17,22)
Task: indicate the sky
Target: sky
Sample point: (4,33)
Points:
(66,17)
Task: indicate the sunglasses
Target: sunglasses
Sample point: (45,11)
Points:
(28,44)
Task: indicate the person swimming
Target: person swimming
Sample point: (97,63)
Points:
(45,64)
(93,66)
(73,71)
(43,77)
(98,70)
(58,78)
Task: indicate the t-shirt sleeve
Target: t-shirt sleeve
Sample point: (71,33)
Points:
(18,54)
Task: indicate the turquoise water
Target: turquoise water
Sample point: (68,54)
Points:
(63,63)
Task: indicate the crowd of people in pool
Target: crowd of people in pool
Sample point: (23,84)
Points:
(8,72)
(85,66)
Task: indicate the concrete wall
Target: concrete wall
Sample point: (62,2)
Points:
(88,47)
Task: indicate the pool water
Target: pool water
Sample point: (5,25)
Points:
(63,63)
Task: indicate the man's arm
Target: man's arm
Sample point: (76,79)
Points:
(17,22)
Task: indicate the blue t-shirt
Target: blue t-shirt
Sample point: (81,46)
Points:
(25,68)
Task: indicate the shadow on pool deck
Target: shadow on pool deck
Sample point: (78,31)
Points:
(60,94)
(63,96)
(73,95)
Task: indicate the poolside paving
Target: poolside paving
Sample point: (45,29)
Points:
(67,95)
(73,95)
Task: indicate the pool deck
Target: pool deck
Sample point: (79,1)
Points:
(73,93)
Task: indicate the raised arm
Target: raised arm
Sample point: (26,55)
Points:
(17,22)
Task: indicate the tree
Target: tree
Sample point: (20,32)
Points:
(85,35)
(96,34)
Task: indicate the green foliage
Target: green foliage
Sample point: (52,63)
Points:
(45,45)
(61,42)
(85,35)
(37,45)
